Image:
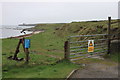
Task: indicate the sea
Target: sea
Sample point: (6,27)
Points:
(7,31)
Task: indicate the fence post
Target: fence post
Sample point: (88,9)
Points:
(66,50)
(109,25)
(27,55)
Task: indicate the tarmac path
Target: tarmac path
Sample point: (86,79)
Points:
(97,70)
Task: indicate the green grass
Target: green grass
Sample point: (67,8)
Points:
(89,27)
(113,57)
(58,70)
(47,48)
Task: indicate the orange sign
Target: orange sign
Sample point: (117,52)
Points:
(90,45)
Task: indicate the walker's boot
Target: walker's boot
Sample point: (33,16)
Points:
(15,58)
(20,59)
(10,57)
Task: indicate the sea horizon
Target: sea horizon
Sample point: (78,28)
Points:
(12,31)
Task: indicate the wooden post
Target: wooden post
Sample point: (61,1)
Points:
(27,55)
(66,50)
(23,44)
(21,41)
(109,25)
(17,50)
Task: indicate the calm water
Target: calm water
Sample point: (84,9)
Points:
(8,31)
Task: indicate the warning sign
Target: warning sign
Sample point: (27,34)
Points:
(90,45)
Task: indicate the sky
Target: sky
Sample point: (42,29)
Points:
(59,0)
(0,13)
(14,13)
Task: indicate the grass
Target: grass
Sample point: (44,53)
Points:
(113,57)
(46,49)
(59,70)
(85,28)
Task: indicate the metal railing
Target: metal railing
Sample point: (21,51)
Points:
(77,52)
(76,47)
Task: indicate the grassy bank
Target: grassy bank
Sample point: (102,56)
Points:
(59,70)
(46,49)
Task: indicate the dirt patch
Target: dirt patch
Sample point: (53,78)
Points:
(49,55)
(55,50)
(54,56)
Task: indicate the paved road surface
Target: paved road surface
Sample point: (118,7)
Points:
(97,70)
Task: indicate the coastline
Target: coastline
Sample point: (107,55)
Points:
(26,35)
(15,33)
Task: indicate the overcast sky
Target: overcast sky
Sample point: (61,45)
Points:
(0,13)
(46,12)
